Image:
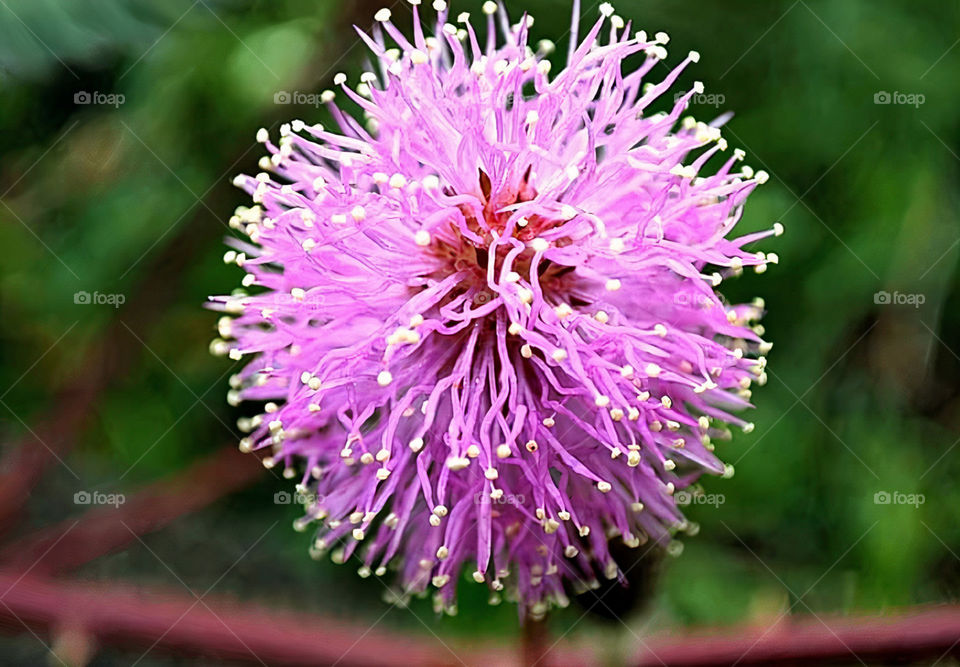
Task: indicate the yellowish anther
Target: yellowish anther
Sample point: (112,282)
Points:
(382,474)
(458,462)
(503,451)
(549,422)
(653,370)
(540,245)
(559,354)
(384,378)
(443,552)
(514,329)
(491,474)
(531,445)
(604,487)
(473,451)
(613,285)
(416,444)
(382,16)
(601,401)
(489,7)
(633,459)
(526,351)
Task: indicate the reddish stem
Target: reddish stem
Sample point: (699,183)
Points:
(107,528)
(216,628)
(918,634)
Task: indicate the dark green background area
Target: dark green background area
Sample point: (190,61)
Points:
(862,396)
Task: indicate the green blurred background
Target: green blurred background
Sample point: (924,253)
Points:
(130,195)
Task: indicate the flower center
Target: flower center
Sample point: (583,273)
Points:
(466,245)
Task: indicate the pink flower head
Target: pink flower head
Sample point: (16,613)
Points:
(484,318)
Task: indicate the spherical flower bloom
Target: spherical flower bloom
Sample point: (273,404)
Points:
(484,320)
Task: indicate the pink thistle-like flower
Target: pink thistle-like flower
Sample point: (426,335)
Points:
(484,321)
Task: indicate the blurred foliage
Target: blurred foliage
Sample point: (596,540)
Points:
(132,199)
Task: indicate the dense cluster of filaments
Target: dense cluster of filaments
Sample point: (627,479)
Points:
(483,319)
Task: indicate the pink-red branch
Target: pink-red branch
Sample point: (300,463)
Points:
(914,635)
(106,529)
(217,628)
